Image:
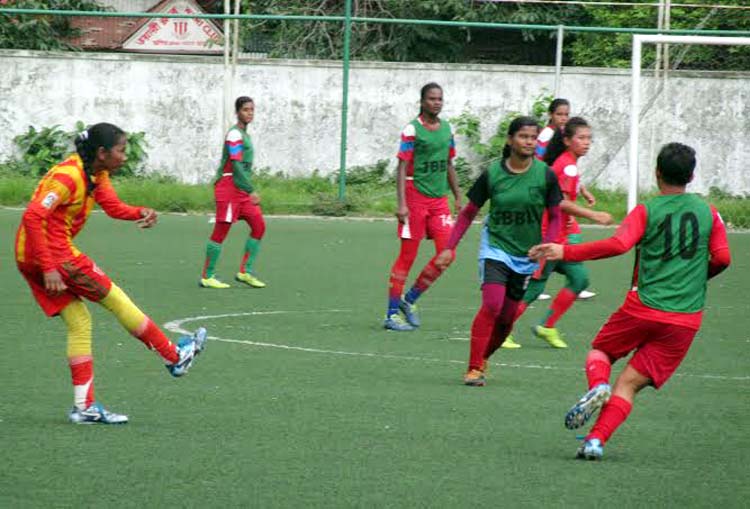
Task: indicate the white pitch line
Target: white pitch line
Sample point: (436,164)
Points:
(176,327)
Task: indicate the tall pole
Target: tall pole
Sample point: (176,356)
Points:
(558,58)
(225,98)
(659,26)
(667,25)
(345,99)
(635,110)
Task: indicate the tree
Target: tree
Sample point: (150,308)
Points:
(614,50)
(38,32)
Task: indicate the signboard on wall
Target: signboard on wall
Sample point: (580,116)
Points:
(176,35)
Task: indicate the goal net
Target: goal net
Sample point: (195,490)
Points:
(708,109)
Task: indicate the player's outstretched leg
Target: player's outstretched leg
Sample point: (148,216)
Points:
(188,347)
(587,406)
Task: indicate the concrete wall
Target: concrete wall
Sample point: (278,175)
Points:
(177,101)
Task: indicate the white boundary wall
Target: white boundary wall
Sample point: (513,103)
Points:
(177,100)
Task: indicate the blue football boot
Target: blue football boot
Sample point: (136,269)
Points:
(591,449)
(587,406)
(187,348)
(397,323)
(410,312)
(95,414)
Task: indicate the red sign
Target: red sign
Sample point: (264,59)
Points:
(175,35)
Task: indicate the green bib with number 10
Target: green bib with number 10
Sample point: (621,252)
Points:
(431,150)
(673,253)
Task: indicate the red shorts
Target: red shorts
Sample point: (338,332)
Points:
(659,347)
(430,217)
(82,277)
(233,204)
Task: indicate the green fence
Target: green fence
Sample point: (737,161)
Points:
(347,21)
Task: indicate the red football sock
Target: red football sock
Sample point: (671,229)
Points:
(154,339)
(598,368)
(613,414)
(519,310)
(493,296)
(82,372)
(481,329)
(503,326)
(559,306)
(428,276)
(401,267)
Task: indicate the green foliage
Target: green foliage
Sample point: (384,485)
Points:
(35,32)
(392,42)
(469,125)
(42,149)
(614,50)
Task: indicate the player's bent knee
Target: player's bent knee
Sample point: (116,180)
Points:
(127,313)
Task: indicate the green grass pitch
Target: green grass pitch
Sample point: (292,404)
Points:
(303,400)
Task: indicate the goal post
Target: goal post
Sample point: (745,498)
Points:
(635,101)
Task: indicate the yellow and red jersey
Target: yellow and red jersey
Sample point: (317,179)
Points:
(59,208)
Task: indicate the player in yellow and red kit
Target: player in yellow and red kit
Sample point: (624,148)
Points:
(60,275)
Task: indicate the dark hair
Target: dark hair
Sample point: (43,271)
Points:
(557,144)
(516,125)
(676,163)
(423,92)
(98,135)
(240,102)
(556,104)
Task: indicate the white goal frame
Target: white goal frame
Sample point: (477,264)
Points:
(635,103)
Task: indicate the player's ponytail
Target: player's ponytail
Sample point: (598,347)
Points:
(423,92)
(557,144)
(516,125)
(98,135)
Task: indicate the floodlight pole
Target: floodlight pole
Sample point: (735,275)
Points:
(345,99)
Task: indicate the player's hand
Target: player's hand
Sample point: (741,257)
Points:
(402,214)
(445,258)
(255,198)
(148,218)
(53,282)
(547,251)
(590,199)
(457,206)
(603,218)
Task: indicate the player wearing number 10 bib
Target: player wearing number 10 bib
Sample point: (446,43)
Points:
(680,243)
(425,172)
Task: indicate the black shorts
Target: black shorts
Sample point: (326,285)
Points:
(494,271)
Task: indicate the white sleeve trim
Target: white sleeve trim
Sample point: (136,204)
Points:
(234,135)
(546,134)
(571,170)
(409,131)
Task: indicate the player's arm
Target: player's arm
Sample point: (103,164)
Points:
(553,200)
(106,197)
(452,176)
(590,198)
(628,234)
(405,156)
(478,195)
(402,212)
(236,150)
(56,191)
(718,246)
(573,209)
